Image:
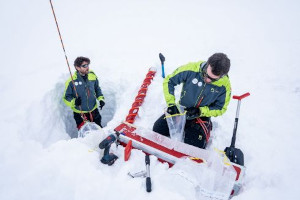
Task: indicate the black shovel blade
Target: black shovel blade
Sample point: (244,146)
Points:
(235,155)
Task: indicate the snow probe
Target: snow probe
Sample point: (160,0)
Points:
(162,60)
(234,154)
(63,46)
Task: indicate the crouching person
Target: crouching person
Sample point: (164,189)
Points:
(205,93)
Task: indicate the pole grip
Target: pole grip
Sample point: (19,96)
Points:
(148,179)
(148,184)
(241,97)
(162,60)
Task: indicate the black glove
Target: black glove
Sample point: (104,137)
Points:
(192,113)
(78,101)
(102,103)
(172,110)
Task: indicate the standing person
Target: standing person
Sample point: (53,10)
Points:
(205,93)
(88,90)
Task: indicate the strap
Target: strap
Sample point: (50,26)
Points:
(204,127)
(91,116)
(178,114)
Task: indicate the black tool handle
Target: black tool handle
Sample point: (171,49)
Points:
(148,179)
(148,184)
(107,141)
(162,58)
(147,160)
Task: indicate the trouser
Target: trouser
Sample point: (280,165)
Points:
(95,115)
(197,131)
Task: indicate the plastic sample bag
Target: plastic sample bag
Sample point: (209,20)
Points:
(176,123)
(87,128)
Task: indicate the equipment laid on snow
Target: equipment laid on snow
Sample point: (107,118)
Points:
(108,158)
(144,174)
(139,99)
(217,177)
(138,174)
(225,176)
(148,179)
(234,154)
(162,60)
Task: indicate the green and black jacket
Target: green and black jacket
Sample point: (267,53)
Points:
(213,97)
(88,90)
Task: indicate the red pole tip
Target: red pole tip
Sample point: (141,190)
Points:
(242,96)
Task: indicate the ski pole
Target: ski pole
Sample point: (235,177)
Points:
(162,60)
(234,154)
(148,179)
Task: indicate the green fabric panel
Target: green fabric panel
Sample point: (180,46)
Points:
(92,76)
(100,98)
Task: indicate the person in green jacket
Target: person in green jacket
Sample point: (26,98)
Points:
(86,83)
(205,93)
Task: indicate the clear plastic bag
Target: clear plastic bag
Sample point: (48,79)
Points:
(176,123)
(87,128)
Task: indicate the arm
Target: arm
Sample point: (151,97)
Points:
(69,95)
(98,91)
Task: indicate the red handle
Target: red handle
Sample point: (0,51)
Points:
(242,96)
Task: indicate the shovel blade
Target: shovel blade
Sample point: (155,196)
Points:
(235,155)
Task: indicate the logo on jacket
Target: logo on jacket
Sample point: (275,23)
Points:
(78,83)
(214,90)
(195,81)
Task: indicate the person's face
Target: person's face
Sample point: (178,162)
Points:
(84,68)
(208,76)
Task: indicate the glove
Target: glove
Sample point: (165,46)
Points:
(192,113)
(78,101)
(172,110)
(102,103)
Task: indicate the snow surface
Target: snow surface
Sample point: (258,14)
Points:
(38,158)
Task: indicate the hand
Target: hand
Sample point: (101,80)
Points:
(102,103)
(78,101)
(172,110)
(193,112)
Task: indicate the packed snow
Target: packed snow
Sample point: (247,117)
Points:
(40,157)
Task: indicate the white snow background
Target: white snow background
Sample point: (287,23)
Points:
(39,160)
